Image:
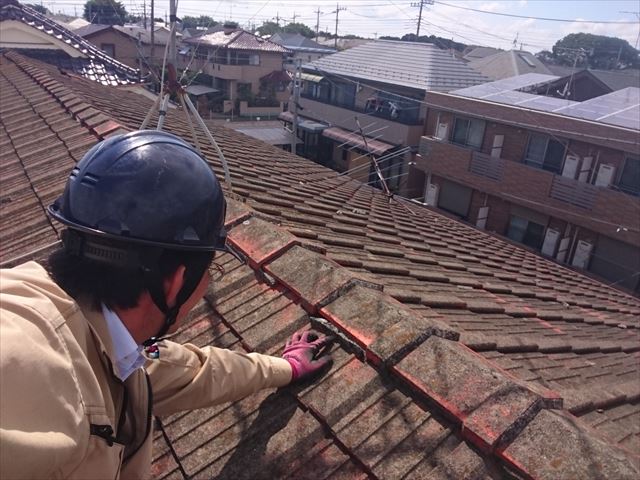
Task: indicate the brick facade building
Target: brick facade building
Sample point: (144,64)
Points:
(564,186)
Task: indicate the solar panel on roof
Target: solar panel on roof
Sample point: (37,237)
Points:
(621,108)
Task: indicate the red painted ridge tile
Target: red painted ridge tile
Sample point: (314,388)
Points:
(106,127)
(237,212)
(314,278)
(260,241)
(490,405)
(382,326)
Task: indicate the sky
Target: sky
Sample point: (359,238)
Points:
(450,18)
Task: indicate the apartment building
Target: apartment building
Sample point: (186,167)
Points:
(369,101)
(559,176)
(242,65)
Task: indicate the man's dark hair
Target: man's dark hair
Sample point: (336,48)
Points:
(113,285)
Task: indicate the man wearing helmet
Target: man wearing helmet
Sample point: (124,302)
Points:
(144,216)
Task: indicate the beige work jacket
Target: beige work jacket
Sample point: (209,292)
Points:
(63,413)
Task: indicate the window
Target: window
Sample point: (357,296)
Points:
(545,153)
(109,49)
(468,132)
(454,198)
(343,94)
(244,91)
(254,59)
(617,262)
(526,231)
(630,176)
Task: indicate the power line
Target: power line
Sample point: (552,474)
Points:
(546,19)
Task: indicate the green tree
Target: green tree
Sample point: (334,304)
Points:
(595,51)
(269,28)
(300,28)
(38,8)
(201,21)
(105,12)
(545,56)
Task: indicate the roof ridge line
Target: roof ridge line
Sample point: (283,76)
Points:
(72,103)
(495,407)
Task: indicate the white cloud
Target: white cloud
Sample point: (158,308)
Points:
(491,7)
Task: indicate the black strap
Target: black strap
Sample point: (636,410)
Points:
(192,276)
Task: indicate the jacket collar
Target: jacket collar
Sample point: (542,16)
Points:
(100,331)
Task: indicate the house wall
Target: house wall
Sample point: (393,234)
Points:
(242,73)
(530,187)
(125,47)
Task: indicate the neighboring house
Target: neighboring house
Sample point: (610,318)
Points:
(130,44)
(342,43)
(242,65)
(472,52)
(459,355)
(581,85)
(302,49)
(559,176)
(39,37)
(509,64)
(379,87)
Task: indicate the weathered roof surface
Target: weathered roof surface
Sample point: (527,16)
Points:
(405,397)
(271,132)
(299,43)
(92,63)
(236,40)
(90,29)
(474,53)
(411,64)
(509,64)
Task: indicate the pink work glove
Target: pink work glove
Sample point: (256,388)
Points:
(304,353)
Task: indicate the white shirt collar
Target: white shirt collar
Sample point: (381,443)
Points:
(127,354)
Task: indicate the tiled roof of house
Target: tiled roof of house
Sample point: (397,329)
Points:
(299,43)
(92,63)
(236,40)
(411,64)
(508,64)
(474,53)
(460,355)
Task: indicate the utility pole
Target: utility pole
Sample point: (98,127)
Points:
(338,10)
(278,18)
(420,4)
(153,29)
(297,80)
(172,19)
(144,14)
(295,16)
(318,12)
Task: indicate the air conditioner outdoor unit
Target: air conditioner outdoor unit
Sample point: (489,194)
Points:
(605,175)
(431,194)
(441,131)
(570,166)
(582,254)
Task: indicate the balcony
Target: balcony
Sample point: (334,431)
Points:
(406,118)
(597,208)
(382,129)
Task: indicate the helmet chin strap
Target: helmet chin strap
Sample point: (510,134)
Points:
(192,276)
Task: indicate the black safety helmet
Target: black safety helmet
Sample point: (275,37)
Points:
(147,187)
(151,192)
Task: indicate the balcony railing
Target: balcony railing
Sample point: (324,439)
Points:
(404,118)
(486,166)
(571,191)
